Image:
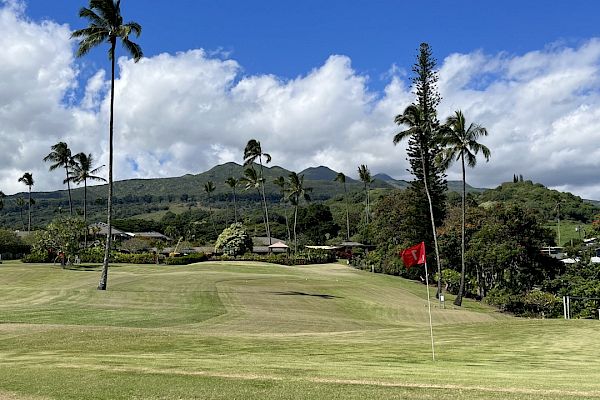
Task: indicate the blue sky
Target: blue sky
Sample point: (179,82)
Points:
(289,38)
(317,82)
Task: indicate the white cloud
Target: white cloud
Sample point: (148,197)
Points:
(185,112)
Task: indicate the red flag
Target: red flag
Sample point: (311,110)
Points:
(414,255)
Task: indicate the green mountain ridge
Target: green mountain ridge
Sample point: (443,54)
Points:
(145,196)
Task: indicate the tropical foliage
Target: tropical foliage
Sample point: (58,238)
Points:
(460,143)
(234,241)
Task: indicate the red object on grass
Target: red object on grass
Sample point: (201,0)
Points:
(414,255)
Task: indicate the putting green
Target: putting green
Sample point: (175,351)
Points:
(255,331)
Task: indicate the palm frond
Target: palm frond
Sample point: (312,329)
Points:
(132,48)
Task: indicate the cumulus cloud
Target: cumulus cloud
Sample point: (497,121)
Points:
(185,112)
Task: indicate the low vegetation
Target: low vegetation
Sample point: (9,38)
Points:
(258,331)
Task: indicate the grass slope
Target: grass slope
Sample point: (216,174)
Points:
(256,331)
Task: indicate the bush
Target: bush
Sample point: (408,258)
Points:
(283,259)
(233,241)
(37,257)
(188,259)
(142,258)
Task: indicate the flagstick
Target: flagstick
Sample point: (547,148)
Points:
(429,305)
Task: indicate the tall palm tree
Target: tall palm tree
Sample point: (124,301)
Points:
(296,193)
(281,183)
(459,142)
(21,204)
(253,181)
(232,183)
(2,196)
(419,125)
(83,170)
(253,151)
(106,26)
(365,176)
(209,188)
(61,157)
(340,177)
(27,179)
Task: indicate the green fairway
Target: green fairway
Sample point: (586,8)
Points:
(259,331)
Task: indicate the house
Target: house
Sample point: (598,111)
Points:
(101,229)
(261,244)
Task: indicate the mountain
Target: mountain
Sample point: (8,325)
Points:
(320,173)
(134,197)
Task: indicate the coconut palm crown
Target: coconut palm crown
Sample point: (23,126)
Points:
(61,157)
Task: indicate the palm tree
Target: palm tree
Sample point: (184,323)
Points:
(253,151)
(2,196)
(21,204)
(296,193)
(420,125)
(253,181)
(459,142)
(280,181)
(340,177)
(106,26)
(365,176)
(209,188)
(232,183)
(27,179)
(83,170)
(61,157)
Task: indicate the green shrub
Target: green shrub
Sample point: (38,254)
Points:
(142,258)
(37,257)
(233,241)
(92,255)
(188,259)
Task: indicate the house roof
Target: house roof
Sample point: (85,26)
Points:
(323,247)
(279,245)
(149,235)
(103,229)
(264,241)
(352,244)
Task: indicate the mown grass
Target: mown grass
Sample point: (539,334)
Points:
(256,331)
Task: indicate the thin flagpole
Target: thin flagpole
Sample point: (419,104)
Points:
(429,306)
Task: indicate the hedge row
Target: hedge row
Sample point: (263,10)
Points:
(282,259)
(184,260)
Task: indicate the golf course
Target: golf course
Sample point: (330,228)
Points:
(243,330)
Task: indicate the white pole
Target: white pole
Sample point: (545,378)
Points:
(565,306)
(568,307)
(429,306)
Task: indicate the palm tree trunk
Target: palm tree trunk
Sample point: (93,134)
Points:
(104,275)
(234,207)
(287,224)
(262,185)
(263,212)
(212,220)
(437,252)
(21,213)
(368,202)
(29,212)
(347,213)
(85,213)
(461,288)
(366,205)
(295,223)
(69,190)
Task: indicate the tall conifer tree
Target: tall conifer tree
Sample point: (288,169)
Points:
(424,145)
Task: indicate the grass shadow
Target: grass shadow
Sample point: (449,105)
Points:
(295,293)
(82,267)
